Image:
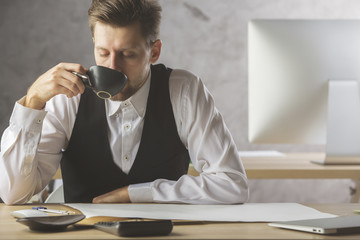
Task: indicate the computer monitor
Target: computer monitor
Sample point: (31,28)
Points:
(304,85)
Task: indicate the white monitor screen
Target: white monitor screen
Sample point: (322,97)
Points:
(290,65)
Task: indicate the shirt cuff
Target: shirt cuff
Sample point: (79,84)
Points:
(140,192)
(27,118)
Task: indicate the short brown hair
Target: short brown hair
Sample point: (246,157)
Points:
(120,13)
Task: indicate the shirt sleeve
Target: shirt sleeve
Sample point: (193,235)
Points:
(212,150)
(31,150)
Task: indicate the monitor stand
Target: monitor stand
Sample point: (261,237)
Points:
(343,127)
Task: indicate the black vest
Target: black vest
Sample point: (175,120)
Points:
(88,169)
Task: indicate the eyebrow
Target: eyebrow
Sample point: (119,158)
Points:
(121,50)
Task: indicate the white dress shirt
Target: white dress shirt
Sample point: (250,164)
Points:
(31,147)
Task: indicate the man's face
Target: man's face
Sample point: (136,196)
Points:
(125,49)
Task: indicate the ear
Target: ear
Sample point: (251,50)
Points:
(155,51)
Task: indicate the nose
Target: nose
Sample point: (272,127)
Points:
(114,62)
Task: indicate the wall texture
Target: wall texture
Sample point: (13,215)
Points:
(208,37)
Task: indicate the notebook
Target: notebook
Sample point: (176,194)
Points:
(334,225)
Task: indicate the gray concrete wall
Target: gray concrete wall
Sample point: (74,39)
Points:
(208,37)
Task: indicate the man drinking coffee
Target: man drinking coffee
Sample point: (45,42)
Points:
(135,146)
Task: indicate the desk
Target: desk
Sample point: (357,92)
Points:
(299,166)
(296,166)
(10,229)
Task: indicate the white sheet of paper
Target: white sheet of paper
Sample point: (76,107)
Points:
(261,153)
(250,212)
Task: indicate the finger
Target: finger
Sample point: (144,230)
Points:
(75,80)
(111,197)
(63,70)
(116,196)
(105,198)
(73,67)
(69,85)
(65,91)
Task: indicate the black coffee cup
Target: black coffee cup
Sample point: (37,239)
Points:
(105,82)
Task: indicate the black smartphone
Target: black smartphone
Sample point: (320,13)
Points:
(136,228)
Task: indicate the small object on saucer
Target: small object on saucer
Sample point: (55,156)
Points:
(55,211)
(50,223)
(23,213)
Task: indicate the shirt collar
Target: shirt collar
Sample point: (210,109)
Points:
(138,101)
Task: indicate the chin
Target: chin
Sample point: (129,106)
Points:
(117,97)
(122,96)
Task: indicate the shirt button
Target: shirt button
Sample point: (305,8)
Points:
(38,121)
(126,104)
(126,158)
(127,126)
(116,115)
